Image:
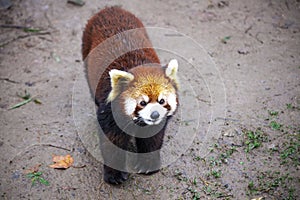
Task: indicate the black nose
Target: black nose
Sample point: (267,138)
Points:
(154,115)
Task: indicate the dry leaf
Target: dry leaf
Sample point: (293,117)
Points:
(62,162)
(33,169)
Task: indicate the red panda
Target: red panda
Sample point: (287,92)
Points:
(135,90)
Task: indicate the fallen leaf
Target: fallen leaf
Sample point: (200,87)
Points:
(62,162)
(33,169)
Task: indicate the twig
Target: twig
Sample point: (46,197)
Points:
(173,35)
(27,148)
(50,25)
(13,26)
(256,37)
(248,29)
(245,19)
(227,119)
(44,38)
(287,5)
(225,195)
(54,146)
(204,181)
(78,167)
(24,28)
(100,185)
(25,36)
(8,80)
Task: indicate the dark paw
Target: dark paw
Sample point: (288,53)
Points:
(114,177)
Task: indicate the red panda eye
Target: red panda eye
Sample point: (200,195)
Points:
(162,101)
(143,103)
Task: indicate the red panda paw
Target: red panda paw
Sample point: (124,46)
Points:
(147,167)
(114,177)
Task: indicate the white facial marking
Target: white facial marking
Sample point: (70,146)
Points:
(146,112)
(130,105)
(172,102)
(161,96)
(146,98)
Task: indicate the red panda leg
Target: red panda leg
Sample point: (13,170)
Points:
(149,164)
(113,176)
(111,138)
(114,158)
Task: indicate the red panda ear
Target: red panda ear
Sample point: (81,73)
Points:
(116,76)
(171,70)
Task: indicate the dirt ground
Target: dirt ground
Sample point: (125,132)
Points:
(246,93)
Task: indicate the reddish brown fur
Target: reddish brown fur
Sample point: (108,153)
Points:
(102,26)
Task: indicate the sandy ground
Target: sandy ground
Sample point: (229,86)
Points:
(246,95)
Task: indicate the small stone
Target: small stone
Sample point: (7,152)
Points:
(243,52)
(230,132)
(16,175)
(76,2)
(223,4)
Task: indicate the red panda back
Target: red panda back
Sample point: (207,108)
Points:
(105,24)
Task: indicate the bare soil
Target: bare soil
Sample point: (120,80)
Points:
(254,148)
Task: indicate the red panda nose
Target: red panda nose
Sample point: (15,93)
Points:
(154,115)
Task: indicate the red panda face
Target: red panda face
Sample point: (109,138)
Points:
(150,94)
(150,108)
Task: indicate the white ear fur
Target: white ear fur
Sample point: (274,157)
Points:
(115,77)
(172,68)
(171,71)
